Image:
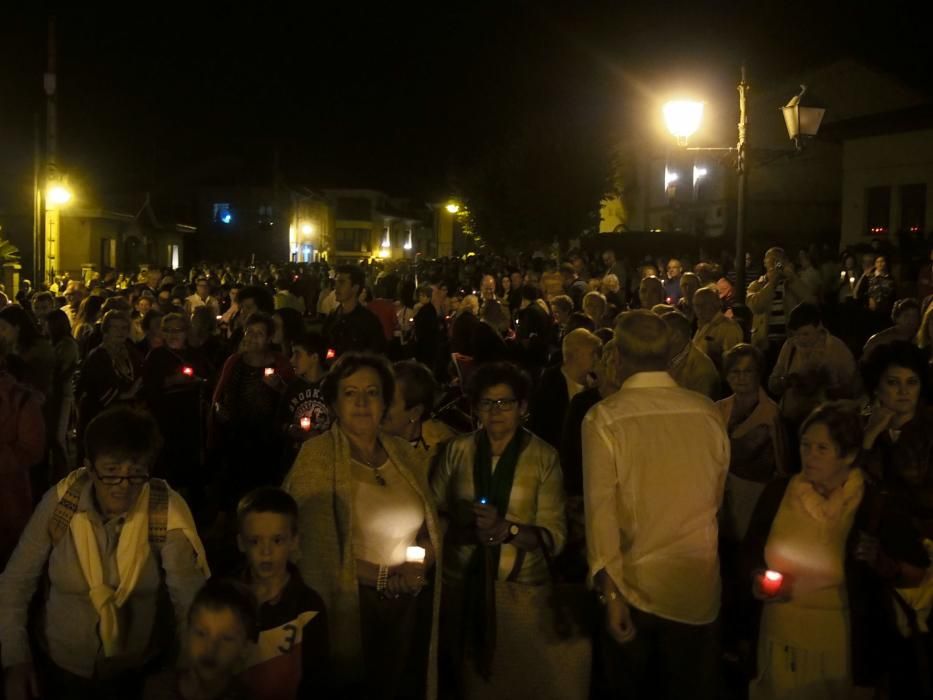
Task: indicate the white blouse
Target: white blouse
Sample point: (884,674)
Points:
(387,513)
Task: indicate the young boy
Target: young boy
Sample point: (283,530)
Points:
(303,412)
(292,654)
(222,621)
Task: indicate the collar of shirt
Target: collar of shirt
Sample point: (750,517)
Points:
(647,380)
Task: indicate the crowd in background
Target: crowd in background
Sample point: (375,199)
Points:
(588,477)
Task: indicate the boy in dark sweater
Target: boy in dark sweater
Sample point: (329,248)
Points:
(302,411)
(291,658)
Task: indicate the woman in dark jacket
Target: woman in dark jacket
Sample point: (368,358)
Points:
(174,377)
(834,547)
(111,373)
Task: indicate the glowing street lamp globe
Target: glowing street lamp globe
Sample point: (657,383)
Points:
(682,118)
(58,195)
(453,207)
(307,229)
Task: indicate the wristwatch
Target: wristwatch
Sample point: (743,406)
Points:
(513,533)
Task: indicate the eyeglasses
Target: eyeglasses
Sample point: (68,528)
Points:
(498,404)
(114,480)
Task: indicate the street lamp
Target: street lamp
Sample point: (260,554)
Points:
(453,207)
(58,195)
(801,120)
(307,229)
(683,119)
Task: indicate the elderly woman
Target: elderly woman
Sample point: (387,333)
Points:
(105,550)
(501,489)
(111,373)
(812,366)
(364,506)
(409,415)
(756,435)
(833,546)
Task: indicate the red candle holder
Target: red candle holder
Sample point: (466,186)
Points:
(187,371)
(305,422)
(771,582)
(269,371)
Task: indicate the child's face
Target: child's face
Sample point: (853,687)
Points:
(267,540)
(217,643)
(302,361)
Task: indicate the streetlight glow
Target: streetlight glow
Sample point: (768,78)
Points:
(683,118)
(58,195)
(306,229)
(453,207)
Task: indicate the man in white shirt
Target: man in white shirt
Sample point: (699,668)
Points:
(202,297)
(655,458)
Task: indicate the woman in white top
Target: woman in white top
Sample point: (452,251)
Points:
(363,506)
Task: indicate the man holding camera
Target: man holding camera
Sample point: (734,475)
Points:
(771,298)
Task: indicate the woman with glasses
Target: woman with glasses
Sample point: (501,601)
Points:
(501,490)
(115,558)
(369,532)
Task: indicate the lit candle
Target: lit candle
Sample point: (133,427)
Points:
(771,582)
(305,422)
(331,354)
(269,371)
(187,371)
(415,554)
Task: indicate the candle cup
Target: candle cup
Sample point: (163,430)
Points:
(187,371)
(305,423)
(771,583)
(415,554)
(269,371)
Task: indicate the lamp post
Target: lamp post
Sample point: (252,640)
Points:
(57,195)
(683,118)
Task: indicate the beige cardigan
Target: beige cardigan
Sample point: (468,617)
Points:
(320,483)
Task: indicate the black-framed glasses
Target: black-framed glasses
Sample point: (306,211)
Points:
(114,480)
(498,404)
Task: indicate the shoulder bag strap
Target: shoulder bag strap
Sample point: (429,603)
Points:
(65,509)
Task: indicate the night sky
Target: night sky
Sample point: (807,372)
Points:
(398,96)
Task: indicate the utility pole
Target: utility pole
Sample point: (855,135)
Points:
(741,165)
(52,213)
(37,249)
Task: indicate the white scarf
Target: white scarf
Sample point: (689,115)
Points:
(840,502)
(132,554)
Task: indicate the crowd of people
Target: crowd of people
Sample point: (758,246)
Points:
(471,478)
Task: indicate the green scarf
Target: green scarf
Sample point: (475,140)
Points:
(483,568)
